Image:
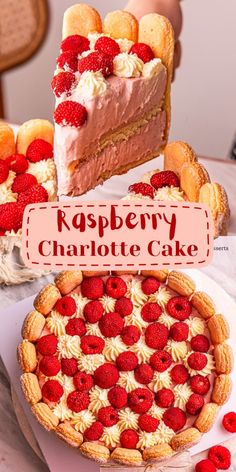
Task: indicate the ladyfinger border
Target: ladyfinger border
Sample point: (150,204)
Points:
(183,285)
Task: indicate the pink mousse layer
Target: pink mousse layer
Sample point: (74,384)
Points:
(89,173)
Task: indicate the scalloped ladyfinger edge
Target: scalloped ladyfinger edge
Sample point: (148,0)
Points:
(27,356)
(46,299)
(68,280)
(31,130)
(206,417)
(127,456)
(218,329)
(33,326)
(121,24)
(176,154)
(81,19)
(45,416)
(193,176)
(181,283)
(224,358)
(30,387)
(160,275)
(68,434)
(95,273)
(203,304)
(97,452)
(157,453)
(222,389)
(185,439)
(124,272)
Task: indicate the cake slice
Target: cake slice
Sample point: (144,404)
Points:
(112,95)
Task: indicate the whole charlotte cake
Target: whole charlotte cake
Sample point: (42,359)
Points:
(112,88)
(128,367)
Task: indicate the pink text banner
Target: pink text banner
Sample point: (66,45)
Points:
(117,235)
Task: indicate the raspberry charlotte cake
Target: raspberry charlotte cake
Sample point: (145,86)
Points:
(127,367)
(184,179)
(112,88)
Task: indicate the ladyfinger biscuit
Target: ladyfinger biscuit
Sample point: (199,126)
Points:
(68,280)
(33,326)
(223,358)
(203,304)
(160,275)
(68,434)
(222,389)
(214,195)
(176,154)
(31,389)
(45,416)
(218,328)
(94,273)
(46,299)
(7,141)
(126,456)
(157,453)
(192,176)
(206,418)
(27,356)
(31,130)
(124,272)
(96,452)
(185,439)
(181,283)
(81,19)
(121,24)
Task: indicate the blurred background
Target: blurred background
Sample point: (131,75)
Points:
(204,91)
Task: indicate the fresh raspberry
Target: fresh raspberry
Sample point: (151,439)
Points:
(220,456)
(197,361)
(39,150)
(166,178)
(47,345)
(205,466)
(35,194)
(200,384)
(92,344)
(111,324)
(68,61)
(107,46)
(129,439)
(130,335)
(127,361)
(229,422)
(179,331)
(2,233)
(164,398)
(18,163)
(142,188)
(143,51)
(76,327)
(174,418)
(4,170)
(62,83)
(179,374)
(23,182)
(118,397)
(106,376)
(108,416)
(148,423)
(200,343)
(66,306)
(70,113)
(69,367)
(96,61)
(52,390)
(156,335)
(144,374)
(194,404)
(140,400)
(93,311)
(124,306)
(151,312)
(78,401)
(75,43)
(160,361)
(83,382)
(92,287)
(116,287)
(11,216)
(179,308)
(49,366)
(150,285)
(94,432)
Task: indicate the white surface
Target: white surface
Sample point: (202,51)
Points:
(57,454)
